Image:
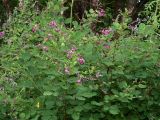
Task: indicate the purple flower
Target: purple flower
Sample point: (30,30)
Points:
(97,33)
(81,60)
(106,46)
(132,27)
(71,52)
(73,48)
(101,12)
(34,29)
(66,70)
(106,31)
(53,24)
(79,81)
(2,34)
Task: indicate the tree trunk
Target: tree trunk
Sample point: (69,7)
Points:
(21,4)
(6,5)
(131,6)
(119,4)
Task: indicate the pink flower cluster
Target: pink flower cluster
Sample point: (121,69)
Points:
(35,28)
(71,52)
(106,46)
(101,12)
(79,81)
(53,24)
(106,31)
(81,60)
(2,34)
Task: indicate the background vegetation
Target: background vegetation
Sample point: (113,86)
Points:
(56,65)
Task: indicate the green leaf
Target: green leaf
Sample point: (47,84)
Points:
(49,104)
(96,103)
(22,115)
(142,28)
(88,51)
(108,63)
(26,56)
(75,116)
(89,94)
(26,83)
(75,23)
(117,26)
(122,84)
(67,21)
(114,110)
(145,29)
(33,70)
(106,107)
(142,86)
(80,98)
(78,108)
(47,93)
(107,98)
(35,118)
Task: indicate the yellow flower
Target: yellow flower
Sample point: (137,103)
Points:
(38,105)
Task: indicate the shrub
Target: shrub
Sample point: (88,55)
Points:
(50,72)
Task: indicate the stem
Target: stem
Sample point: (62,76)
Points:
(71,12)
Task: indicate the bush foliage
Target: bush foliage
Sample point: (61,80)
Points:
(52,72)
